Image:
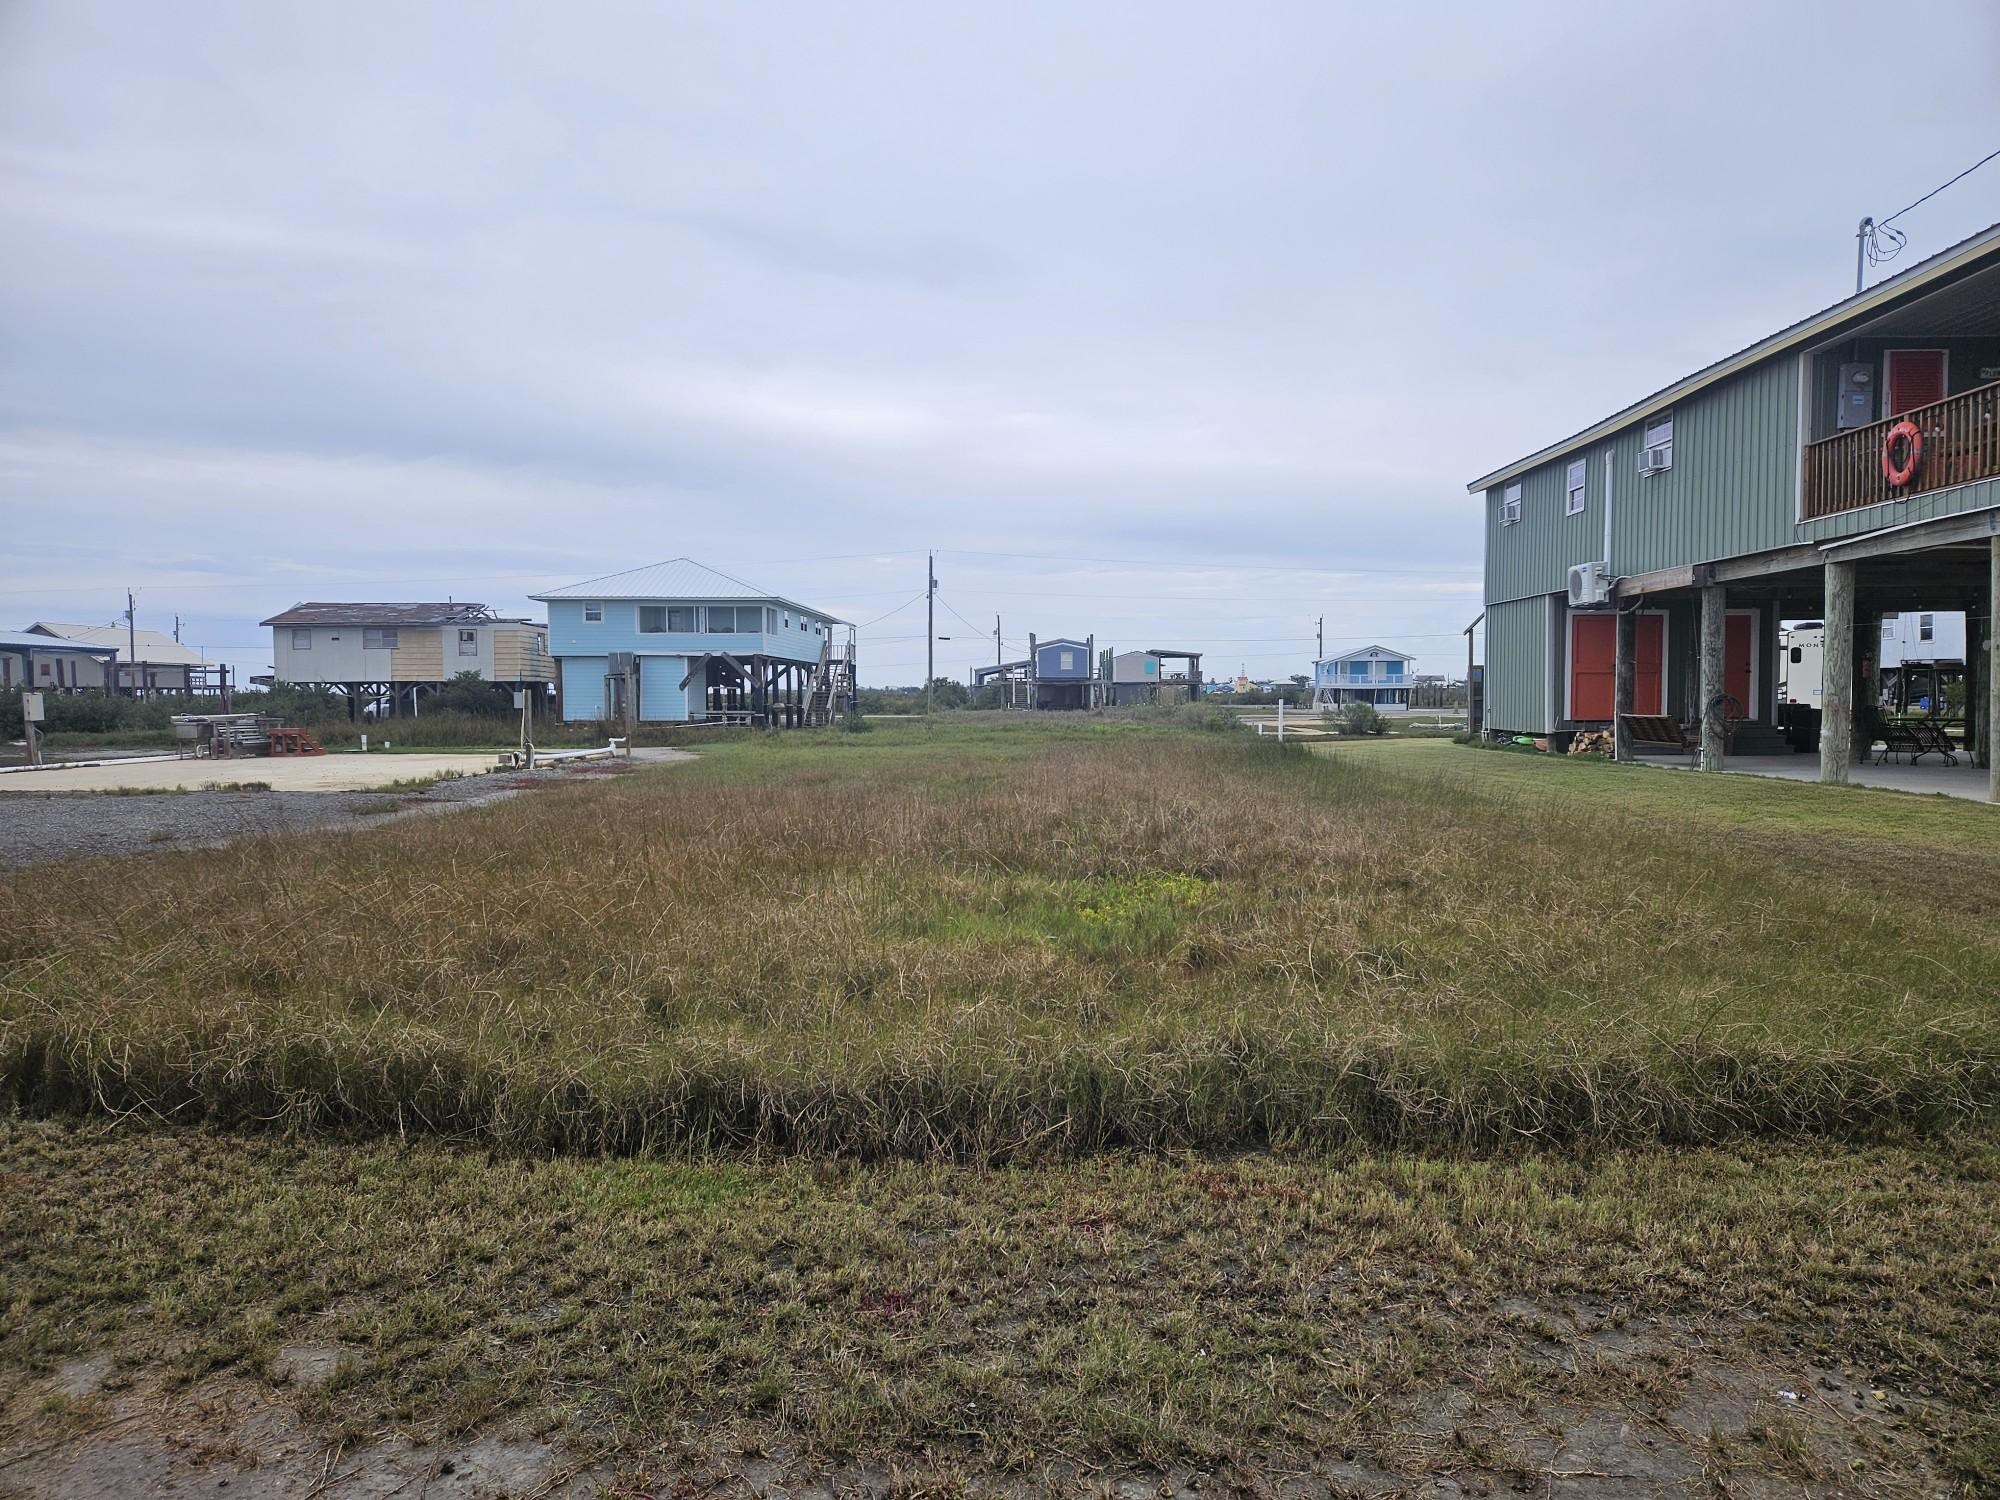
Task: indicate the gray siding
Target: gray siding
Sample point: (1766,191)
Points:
(1518,649)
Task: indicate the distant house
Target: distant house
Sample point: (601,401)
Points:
(1145,676)
(161,664)
(29,659)
(1374,675)
(680,642)
(398,652)
(1064,673)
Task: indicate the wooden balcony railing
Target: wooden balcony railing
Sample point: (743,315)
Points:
(1961,444)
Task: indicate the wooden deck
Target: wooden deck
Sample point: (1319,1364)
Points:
(1961,444)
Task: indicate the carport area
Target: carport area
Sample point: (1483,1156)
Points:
(314,773)
(1926,778)
(1949,562)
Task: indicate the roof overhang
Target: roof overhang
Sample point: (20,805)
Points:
(1876,298)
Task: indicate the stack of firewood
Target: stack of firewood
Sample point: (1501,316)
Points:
(1591,742)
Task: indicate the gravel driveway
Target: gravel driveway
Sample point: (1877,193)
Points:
(55,825)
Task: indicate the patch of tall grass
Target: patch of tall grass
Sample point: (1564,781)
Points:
(1012,941)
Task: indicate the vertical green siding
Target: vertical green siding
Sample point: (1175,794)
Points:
(1734,484)
(1733,489)
(1518,645)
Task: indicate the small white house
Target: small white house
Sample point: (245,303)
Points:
(1374,675)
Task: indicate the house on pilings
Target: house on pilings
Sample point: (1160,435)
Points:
(678,642)
(1843,469)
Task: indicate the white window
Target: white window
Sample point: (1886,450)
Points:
(468,643)
(302,640)
(1066,661)
(1573,490)
(1926,628)
(378,638)
(652,619)
(1656,452)
(593,613)
(770,621)
(680,618)
(1510,505)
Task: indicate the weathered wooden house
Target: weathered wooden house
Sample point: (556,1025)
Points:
(1842,468)
(396,653)
(679,642)
(1374,675)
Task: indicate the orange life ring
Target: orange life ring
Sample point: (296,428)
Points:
(1906,433)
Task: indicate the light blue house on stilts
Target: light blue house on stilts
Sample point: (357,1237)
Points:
(679,643)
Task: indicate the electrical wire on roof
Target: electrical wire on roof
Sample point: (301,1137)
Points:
(1881,244)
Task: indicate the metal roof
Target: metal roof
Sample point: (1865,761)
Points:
(1364,650)
(156,647)
(323,612)
(1954,258)
(25,640)
(677,578)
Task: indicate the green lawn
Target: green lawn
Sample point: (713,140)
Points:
(1009,1107)
(1853,815)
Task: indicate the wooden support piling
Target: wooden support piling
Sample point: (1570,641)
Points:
(1836,725)
(1714,625)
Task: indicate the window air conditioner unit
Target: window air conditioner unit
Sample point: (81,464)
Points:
(1589,586)
(1653,460)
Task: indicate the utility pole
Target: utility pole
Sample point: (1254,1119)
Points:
(177,630)
(1861,252)
(930,628)
(996,640)
(1322,640)
(131,643)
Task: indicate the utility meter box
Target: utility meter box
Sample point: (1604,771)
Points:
(1855,406)
(31,707)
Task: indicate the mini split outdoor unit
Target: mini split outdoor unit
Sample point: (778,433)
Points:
(1589,585)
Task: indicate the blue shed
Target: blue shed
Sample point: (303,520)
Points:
(1063,660)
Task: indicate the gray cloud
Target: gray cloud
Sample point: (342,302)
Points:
(382,299)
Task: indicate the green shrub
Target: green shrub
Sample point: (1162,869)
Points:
(1358,718)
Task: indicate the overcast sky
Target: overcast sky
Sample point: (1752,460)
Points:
(1214,307)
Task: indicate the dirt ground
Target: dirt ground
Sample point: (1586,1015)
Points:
(1665,1422)
(306,773)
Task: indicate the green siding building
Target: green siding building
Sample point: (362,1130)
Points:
(1767,486)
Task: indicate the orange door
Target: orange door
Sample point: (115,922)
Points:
(1649,652)
(1593,653)
(1738,632)
(1593,665)
(1916,378)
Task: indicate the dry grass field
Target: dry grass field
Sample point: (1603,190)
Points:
(1032,1108)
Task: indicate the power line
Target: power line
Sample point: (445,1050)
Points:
(1943,185)
(896,611)
(1879,244)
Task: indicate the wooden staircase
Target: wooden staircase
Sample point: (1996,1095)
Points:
(832,687)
